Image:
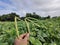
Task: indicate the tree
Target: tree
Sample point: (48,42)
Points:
(34,15)
(8,17)
(48,17)
(28,15)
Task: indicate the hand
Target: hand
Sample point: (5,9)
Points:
(22,39)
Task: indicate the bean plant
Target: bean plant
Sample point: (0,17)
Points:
(42,32)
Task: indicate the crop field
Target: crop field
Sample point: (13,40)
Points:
(42,32)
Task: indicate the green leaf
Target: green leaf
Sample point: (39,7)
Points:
(35,41)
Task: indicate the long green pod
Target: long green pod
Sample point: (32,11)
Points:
(18,18)
(17,32)
(33,18)
(33,22)
(27,26)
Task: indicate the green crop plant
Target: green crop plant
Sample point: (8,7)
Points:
(42,32)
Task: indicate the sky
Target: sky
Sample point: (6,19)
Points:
(21,7)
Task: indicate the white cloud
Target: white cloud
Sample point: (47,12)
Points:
(42,7)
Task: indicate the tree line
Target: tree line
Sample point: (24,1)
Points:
(11,16)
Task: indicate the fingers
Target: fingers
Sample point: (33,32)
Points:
(24,36)
(27,36)
(21,36)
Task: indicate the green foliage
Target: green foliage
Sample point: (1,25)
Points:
(42,32)
(8,17)
(34,15)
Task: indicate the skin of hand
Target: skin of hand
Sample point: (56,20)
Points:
(22,39)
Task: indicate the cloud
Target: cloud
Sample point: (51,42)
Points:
(41,7)
(6,8)
(21,13)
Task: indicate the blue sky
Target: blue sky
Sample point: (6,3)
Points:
(21,7)
(6,1)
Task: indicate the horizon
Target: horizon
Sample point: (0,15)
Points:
(21,7)
(31,13)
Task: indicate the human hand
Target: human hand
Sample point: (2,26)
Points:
(22,39)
